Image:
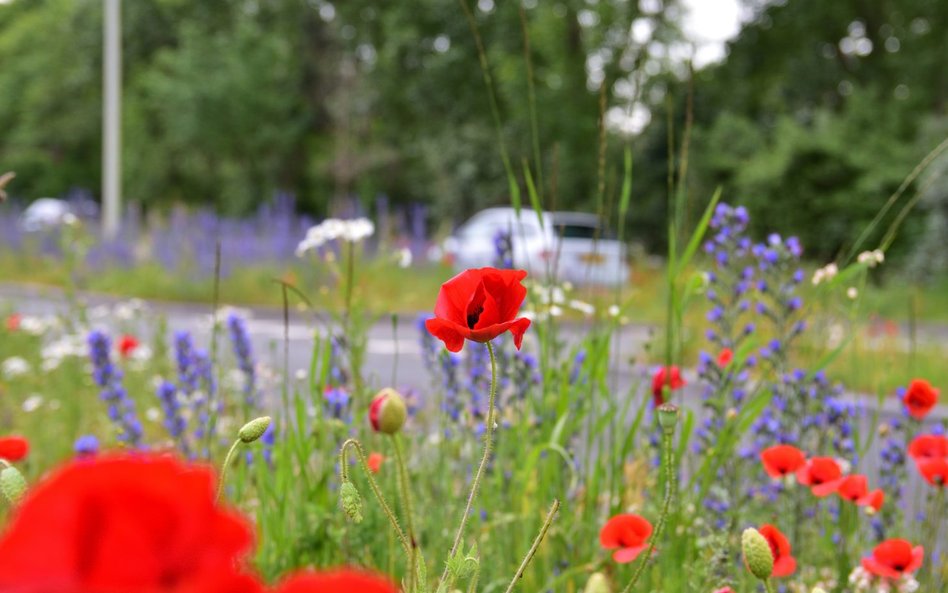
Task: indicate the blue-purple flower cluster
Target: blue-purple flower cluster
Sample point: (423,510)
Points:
(243,352)
(121,408)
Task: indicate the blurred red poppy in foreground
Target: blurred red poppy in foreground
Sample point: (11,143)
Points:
(673,379)
(127,344)
(894,558)
(920,398)
(822,474)
(935,471)
(725,357)
(784,562)
(341,581)
(629,533)
(782,460)
(479,305)
(125,523)
(13,448)
(928,446)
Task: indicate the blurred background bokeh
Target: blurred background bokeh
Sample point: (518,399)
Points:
(811,113)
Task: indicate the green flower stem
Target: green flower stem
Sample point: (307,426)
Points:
(344,470)
(536,544)
(666,505)
(227,461)
(768,586)
(488,442)
(404,487)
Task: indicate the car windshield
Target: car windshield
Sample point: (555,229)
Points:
(581,231)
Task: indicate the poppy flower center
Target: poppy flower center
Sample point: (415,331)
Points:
(473,315)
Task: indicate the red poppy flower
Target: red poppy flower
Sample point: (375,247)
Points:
(784,562)
(725,357)
(13,448)
(375,462)
(894,558)
(125,523)
(673,379)
(339,581)
(935,471)
(479,305)
(782,460)
(629,533)
(873,500)
(13,321)
(928,446)
(853,487)
(127,345)
(724,590)
(822,474)
(920,398)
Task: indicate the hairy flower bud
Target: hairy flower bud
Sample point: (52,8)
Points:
(351,501)
(597,583)
(757,555)
(12,484)
(388,411)
(254,429)
(668,417)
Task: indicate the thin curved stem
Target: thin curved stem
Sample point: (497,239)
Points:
(536,544)
(344,470)
(405,491)
(227,460)
(666,505)
(488,442)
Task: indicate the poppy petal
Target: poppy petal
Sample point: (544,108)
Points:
(447,332)
(785,566)
(624,555)
(877,568)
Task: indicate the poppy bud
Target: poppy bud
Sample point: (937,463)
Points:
(254,429)
(388,412)
(668,417)
(351,501)
(597,583)
(12,484)
(757,555)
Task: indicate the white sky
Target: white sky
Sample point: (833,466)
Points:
(708,24)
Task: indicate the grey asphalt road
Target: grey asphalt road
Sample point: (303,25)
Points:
(393,349)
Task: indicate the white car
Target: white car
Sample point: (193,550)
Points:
(567,246)
(45,213)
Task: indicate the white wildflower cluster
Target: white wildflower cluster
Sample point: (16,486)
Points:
(14,366)
(69,345)
(871,258)
(863,581)
(852,292)
(37,326)
(352,230)
(825,274)
(32,403)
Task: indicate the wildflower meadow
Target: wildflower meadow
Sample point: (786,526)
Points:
(144,457)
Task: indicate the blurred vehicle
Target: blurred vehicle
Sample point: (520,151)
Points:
(565,246)
(45,213)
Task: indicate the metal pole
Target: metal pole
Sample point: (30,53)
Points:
(111,119)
